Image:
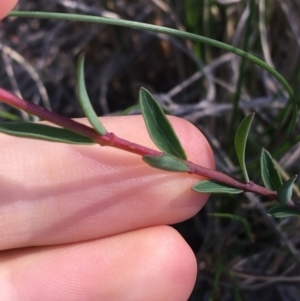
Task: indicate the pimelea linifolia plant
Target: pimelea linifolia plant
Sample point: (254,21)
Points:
(172,156)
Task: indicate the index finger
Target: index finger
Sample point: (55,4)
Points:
(56,193)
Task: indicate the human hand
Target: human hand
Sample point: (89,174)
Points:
(87,222)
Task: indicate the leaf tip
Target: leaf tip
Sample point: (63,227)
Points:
(159,127)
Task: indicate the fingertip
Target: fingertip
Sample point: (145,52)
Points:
(151,264)
(178,263)
(194,142)
(6,6)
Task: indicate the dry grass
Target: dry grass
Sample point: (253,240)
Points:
(195,82)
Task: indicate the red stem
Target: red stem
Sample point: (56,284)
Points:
(110,139)
(224,178)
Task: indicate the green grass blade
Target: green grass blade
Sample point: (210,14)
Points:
(9,116)
(237,218)
(240,141)
(168,31)
(85,100)
(282,211)
(235,286)
(43,132)
(156,28)
(166,162)
(129,110)
(195,21)
(285,191)
(246,44)
(208,186)
(159,127)
(219,269)
(269,172)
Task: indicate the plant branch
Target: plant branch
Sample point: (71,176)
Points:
(226,179)
(110,139)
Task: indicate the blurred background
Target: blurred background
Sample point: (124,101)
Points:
(242,253)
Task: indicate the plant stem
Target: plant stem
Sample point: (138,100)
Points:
(110,139)
(224,178)
(31,108)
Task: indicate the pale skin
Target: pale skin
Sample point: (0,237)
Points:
(90,223)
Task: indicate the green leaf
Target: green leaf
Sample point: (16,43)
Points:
(9,116)
(284,192)
(129,109)
(159,127)
(269,172)
(235,217)
(208,186)
(281,211)
(43,132)
(240,141)
(85,100)
(166,162)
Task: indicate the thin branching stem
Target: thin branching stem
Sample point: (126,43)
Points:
(110,139)
(226,179)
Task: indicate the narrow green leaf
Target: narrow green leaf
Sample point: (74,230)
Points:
(9,116)
(240,141)
(281,211)
(284,192)
(208,186)
(166,162)
(130,109)
(235,217)
(159,127)
(269,173)
(85,100)
(43,132)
